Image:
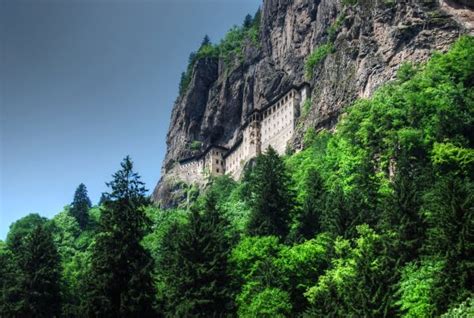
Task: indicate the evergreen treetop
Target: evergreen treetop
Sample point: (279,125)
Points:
(80,206)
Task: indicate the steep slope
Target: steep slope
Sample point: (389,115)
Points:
(367,43)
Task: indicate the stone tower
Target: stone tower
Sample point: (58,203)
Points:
(252,136)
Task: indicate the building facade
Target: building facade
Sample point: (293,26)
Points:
(270,126)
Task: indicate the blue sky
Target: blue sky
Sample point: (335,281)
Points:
(84,83)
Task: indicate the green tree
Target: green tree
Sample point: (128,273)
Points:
(80,206)
(199,285)
(360,282)
(309,218)
(269,303)
(120,282)
(402,215)
(257,17)
(103,198)
(39,284)
(338,217)
(20,229)
(10,276)
(248,21)
(206,41)
(449,210)
(272,200)
(418,282)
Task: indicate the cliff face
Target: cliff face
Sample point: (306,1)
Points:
(370,42)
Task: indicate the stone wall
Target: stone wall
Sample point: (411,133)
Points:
(214,161)
(278,122)
(272,125)
(190,171)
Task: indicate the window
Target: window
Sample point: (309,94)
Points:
(217,170)
(217,161)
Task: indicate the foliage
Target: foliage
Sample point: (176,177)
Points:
(120,279)
(270,302)
(271,198)
(38,284)
(306,108)
(316,57)
(359,282)
(9,285)
(260,263)
(464,310)
(229,50)
(449,210)
(195,145)
(333,30)
(416,287)
(80,206)
(20,229)
(196,264)
(308,219)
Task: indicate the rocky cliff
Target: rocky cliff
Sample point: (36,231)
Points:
(369,40)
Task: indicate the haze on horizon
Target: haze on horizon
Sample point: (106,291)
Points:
(85,83)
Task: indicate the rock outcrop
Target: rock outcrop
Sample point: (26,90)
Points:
(369,40)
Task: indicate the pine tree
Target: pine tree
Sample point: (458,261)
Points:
(39,284)
(205,41)
(309,219)
(402,214)
(9,283)
(272,199)
(182,83)
(345,210)
(120,282)
(199,285)
(257,17)
(103,199)
(80,206)
(449,210)
(248,21)
(337,217)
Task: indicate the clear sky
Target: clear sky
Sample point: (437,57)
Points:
(84,83)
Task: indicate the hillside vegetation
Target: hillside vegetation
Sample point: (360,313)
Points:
(374,219)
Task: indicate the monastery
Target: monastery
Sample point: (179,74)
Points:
(272,125)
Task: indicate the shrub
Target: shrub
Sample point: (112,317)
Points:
(306,107)
(318,55)
(195,145)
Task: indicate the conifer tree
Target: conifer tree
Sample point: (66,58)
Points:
(337,217)
(309,219)
(103,199)
(182,83)
(200,281)
(206,41)
(449,210)
(38,262)
(120,282)
(257,17)
(272,199)
(248,21)
(402,215)
(9,283)
(80,206)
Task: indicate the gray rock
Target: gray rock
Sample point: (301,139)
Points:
(374,39)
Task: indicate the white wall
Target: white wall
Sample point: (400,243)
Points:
(276,128)
(278,123)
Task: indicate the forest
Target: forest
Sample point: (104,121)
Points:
(371,219)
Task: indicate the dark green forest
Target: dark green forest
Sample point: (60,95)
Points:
(371,219)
